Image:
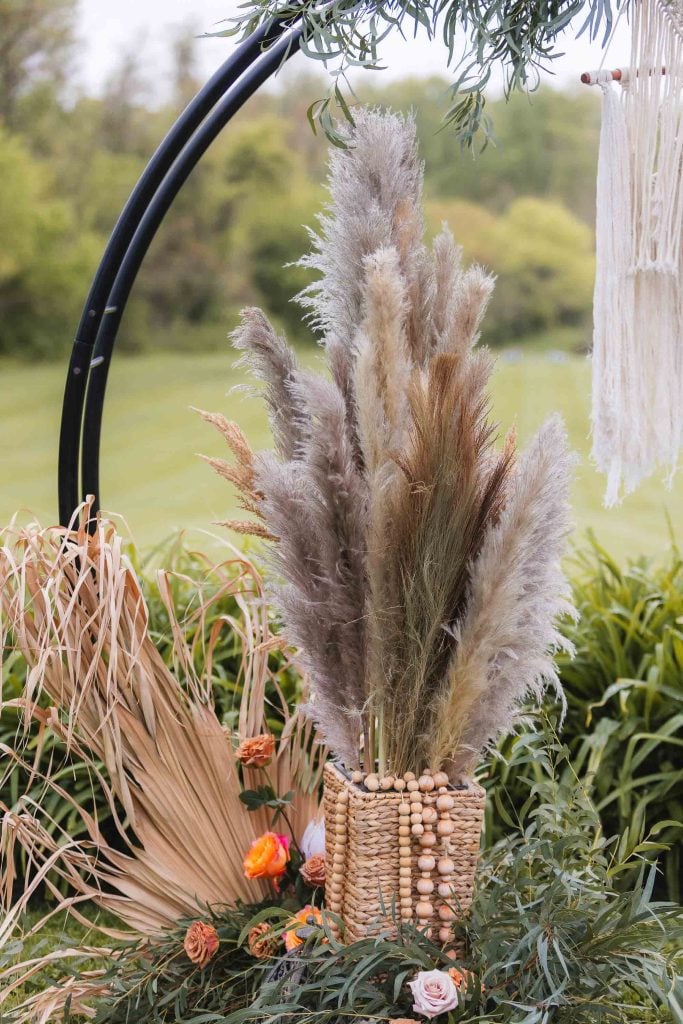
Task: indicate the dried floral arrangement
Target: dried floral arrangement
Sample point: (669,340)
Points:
(202,817)
(416,565)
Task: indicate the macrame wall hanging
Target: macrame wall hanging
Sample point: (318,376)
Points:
(637,416)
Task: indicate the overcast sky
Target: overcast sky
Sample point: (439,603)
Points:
(108,28)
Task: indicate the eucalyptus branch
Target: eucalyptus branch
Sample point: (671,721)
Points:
(481,37)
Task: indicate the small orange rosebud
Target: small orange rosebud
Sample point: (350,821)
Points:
(267,857)
(313,870)
(307,917)
(257,751)
(462,979)
(259,946)
(201,942)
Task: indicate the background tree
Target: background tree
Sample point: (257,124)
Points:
(37,39)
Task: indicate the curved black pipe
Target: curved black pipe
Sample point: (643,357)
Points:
(93,310)
(146,230)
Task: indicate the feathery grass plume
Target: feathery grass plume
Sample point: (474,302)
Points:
(73,607)
(272,361)
(436,513)
(507,634)
(394,482)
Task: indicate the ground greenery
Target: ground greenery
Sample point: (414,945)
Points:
(549,939)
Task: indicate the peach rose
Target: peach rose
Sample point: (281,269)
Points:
(259,946)
(434,992)
(201,942)
(257,751)
(313,870)
(307,917)
(267,857)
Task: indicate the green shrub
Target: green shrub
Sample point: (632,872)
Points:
(624,725)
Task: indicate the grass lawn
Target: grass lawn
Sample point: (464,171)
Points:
(151,474)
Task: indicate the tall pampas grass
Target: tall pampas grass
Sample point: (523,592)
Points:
(71,604)
(416,558)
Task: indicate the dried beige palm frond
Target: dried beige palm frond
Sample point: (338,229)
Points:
(71,604)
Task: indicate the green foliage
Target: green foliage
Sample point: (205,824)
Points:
(542,256)
(550,941)
(43,256)
(517,38)
(624,725)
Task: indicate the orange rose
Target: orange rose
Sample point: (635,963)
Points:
(307,917)
(256,752)
(201,942)
(313,870)
(261,944)
(267,857)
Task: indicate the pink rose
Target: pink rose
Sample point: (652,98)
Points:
(434,992)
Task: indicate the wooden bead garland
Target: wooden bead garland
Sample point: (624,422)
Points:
(445,866)
(425,885)
(405,862)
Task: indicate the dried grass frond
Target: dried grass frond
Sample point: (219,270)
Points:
(73,607)
(395,482)
(507,634)
(274,363)
(436,512)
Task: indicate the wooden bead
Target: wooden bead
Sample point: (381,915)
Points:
(446,913)
(372,783)
(343,796)
(426,862)
(445,866)
(445,935)
(338,858)
(416,818)
(429,816)
(356,777)
(404,830)
(405,872)
(424,886)
(399,785)
(428,839)
(340,817)
(424,910)
(406,913)
(406,902)
(412,785)
(440,779)
(417,829)
(444,802)
(404,808)
(409,776)
(445,827)
(387,782)
(416,807)
(445,890)
(426,783)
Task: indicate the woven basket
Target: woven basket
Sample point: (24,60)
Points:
(375,861)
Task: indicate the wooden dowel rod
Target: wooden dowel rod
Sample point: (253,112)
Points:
(590,77)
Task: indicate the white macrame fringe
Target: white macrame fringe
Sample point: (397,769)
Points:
(637,419)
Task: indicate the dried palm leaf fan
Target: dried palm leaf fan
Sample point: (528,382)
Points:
(414,563)
(638,305)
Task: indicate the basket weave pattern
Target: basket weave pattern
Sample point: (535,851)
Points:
(362,856)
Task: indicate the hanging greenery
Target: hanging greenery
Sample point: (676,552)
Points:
(510,37)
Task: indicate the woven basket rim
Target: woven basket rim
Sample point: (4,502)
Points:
(472,789)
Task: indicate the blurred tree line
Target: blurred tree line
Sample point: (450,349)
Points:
(523,207)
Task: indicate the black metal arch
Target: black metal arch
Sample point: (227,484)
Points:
(254,61)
